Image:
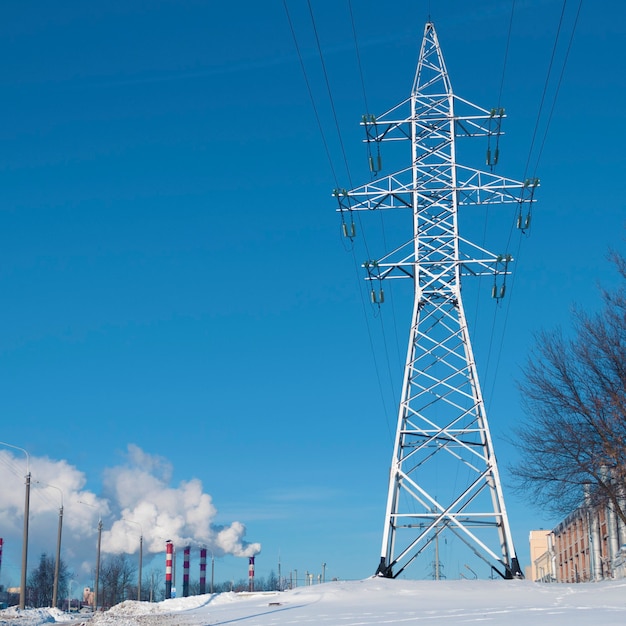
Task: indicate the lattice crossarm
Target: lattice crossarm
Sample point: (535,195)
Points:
(392,125)
(477,261)
(432,111)
(377,131)
(477,122)
(479,187)
(390,192)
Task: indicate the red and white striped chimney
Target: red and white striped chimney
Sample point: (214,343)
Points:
(186,572)
(169,550)
(251,574)
(202,571)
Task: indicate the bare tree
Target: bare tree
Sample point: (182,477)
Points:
(153,586)
(573,440)
(41,581)
(116,576)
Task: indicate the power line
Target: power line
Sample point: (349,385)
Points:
(310,91)
(367,111)
(504,65)
(506,53)
(558,86)
(330,161)
(330,94)
(374,165)
(6,460)
(545,87)
(543,141)
(358,56)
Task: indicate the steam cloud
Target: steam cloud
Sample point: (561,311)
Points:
(183,514)
(137,499)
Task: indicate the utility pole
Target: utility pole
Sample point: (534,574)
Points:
(55,588)
(22,604)
(57,563)
(140,566)
(25,544)
(442,432)
(97,581)
(140,555)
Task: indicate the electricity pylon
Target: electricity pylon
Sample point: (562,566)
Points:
(444,475)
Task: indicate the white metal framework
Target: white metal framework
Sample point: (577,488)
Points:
(444,476)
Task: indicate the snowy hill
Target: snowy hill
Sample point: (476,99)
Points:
(373,601)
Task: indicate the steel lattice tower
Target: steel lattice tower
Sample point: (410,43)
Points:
(444,476)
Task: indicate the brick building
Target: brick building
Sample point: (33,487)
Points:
(588,545)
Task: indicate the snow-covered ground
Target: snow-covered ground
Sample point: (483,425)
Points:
(368,602)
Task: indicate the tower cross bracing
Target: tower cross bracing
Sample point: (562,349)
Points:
(444,476)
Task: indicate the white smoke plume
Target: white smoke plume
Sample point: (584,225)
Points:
(182,514)
(137,499)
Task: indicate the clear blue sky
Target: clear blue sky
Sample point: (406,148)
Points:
(171,266)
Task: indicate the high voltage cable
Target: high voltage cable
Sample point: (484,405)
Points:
(504,64)
(385,345)
(506,53)
(308,86)
(334,173)
(367,111)
(538,120)
(545,87)
(358,56)
(545,134)
(332,104)
(558,86)
(543,95)
(330,94)
(371,343)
